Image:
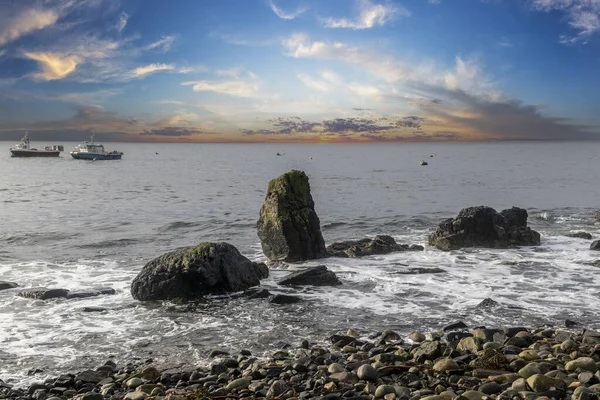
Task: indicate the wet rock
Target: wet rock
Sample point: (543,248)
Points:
(258,294)
(380,244)
(94,309)
(417,337)
(289,228)
(591,337)
(315,276)
(580,235)
(192,272)
(444,365)
(261,270)
(278,388)
(595,245)
(82,294)
(427,351)
(284,299)
(44,294)
(91,376)
(484,227)
(454,326)
(7,285)
(382,390)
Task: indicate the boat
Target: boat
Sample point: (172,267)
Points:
(94,151)
(24,149)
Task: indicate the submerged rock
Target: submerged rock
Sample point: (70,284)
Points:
(380,244)
(192,272)
(580,235)
(44,293)
(289,228)
(484,227)
(7,285)
(284,299)
(315,276)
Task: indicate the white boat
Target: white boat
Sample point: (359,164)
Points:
(24,149)
(94,151)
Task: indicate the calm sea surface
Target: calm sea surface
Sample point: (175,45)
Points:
(81,224)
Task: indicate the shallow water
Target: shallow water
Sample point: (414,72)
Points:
(82,224)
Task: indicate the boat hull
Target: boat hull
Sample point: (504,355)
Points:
(34,153)
(88,156)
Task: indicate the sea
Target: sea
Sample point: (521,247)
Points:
(79,225)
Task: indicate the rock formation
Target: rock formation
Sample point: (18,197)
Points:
(484,227)
(288,227)
(192,272)
(315,276)
(381,244)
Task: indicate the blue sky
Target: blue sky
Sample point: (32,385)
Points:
(300,70)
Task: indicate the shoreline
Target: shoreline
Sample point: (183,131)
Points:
(455,361)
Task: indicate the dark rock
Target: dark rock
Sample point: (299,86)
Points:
(94,309)
(261,270)
(454,326)
(487,303)
(44,294)
(258,294)
(427,351)
(316,276)
(513,330)
(595,245)
(192,272)
(569,324)
(7,285)
(82,294)
(90,376)
(591,337)
(454,336)
(289,228)
(483,227)
(284,299)
(580,235)
(381,244)
(106,290)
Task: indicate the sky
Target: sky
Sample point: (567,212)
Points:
(300,70)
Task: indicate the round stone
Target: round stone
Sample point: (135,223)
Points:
(367,372)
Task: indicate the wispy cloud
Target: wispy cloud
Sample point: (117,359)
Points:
(163,44)
(151,68)
(247,86)
(122,22)
(371,15)
(26,22)
(582,15)
(192,69)
(285,15)
(54,66)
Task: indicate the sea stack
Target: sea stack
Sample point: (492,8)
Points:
(288,227)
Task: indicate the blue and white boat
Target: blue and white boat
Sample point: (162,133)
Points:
(94,151)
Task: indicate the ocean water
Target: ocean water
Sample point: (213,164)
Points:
(82,224)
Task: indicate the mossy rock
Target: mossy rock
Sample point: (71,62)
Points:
(288,227)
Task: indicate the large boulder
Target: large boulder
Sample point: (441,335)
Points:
(484,227)
(380,244)
(192,272)
(315,276)
(288,227)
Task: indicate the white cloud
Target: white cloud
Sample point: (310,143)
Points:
(582,15)
(434,1)
(192,69)
(151,68)
(370,15)
(26,22)
(248,88)
(54,66)
(364,90)
(122,21)
(313,83)
(164,43)
(282,14)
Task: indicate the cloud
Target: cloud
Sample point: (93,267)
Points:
(364,90)
(192,69)
(485,117)
(582,15)
(313,83)
(163,44)
(371,15)
(54,66)
(282,14)
(237,87)
(122,21)
(151,68)
(26,22)
(172,131)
